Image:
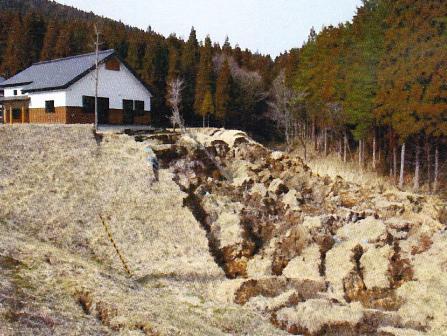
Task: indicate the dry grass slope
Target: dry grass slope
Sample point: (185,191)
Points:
(59,274)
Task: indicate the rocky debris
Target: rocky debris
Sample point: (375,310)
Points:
(292,200)
(313,224)
(276,156)
(320,317)
(277,187)
(289,246)
(259,266)
(366,231)
(274,286)
(325,317)
(375,263)
(259,189)
(168,153)
(321,255)
(306,265)
(263,304)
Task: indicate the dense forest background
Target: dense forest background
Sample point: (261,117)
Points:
(374,89)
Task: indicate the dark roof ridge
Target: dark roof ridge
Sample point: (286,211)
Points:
(75,56)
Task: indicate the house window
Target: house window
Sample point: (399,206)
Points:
(15,92)
(88,104)
(139,107)
(16,113)
(49,106)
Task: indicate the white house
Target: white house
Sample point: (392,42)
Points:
(63,91)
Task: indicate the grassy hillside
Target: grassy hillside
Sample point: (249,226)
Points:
(59,272)
(233,240)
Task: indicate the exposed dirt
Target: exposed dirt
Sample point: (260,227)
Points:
(350,248)
(234,239)
(60,274)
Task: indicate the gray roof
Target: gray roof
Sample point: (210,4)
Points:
(56,74)
(1,79)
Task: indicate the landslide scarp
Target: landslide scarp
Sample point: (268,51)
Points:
(303,248)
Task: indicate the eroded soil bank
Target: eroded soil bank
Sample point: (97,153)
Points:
(59,273)
(316,256)
(234,240)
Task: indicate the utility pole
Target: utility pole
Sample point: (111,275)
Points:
(97,32)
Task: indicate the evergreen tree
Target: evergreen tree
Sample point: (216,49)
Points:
(5,27)
(49,42)
(204,83)
(363,50)
(174,46)
(412,96)
(189,61)
(16,56)
(155,69)
(136,53)
(34,31)
(223,92)
(207,107)
(64,43)
(226,48)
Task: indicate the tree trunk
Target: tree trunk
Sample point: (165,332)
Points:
(374,152)
(394,163)
(287,134)
(345,149)
(379,153)
(402,166)
(360,153)
(363,151)
(314,135)
(435,181)
(203,121)
(428,160)
(340,149)
(325,141)
(416,168)
(303,143)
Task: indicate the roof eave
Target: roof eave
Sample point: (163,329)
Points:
(14,84)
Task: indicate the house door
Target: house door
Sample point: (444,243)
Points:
(128,112)
(103,110)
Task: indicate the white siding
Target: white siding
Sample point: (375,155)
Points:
(9,92)
(115,85)
(38,98)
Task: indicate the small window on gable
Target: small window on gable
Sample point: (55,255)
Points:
(49,106)
(113,64)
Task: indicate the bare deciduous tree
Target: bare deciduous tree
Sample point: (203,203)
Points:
(175,87)
(287,111)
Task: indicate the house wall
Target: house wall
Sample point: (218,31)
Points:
(115,85)
(9,91)
(39,116)
(38,99)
